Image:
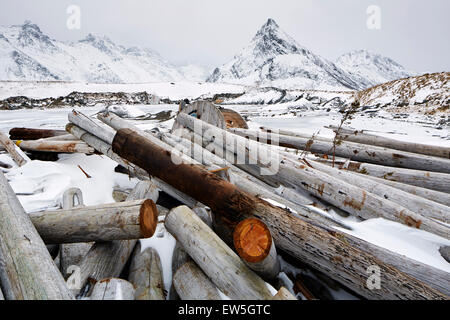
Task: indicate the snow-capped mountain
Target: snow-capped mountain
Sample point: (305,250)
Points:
(273,58)
(26,53)
(370,68)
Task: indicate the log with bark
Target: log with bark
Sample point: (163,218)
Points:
(55,146)
(312,244)
(191,283)
(346,196)
(107,259)
(146,274)
(364,137)
(116,221)
(34,134)
(225,269)
(19,157)
(27,270)
(112,289)
(253,243)
(354,151)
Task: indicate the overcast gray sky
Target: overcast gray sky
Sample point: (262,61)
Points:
(415,33)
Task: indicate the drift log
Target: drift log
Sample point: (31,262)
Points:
(362,136)
(346,196)
(253,243)
(116,221)
(27,270)
(12,149)
(307,242)
(414,203)
(113,289)
(355,151)
(55,146)
(284,294)
(97,129)
(191,283)
(33,134)
(146,274)
(107,259)
(214,257)
(425,179)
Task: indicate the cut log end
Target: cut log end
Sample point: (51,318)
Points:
(252,240)
(148,218)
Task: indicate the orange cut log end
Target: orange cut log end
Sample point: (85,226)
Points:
(148,218)
(252,240)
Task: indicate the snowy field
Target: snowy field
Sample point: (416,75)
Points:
(40,185)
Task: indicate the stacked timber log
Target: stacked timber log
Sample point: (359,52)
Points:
(315,242)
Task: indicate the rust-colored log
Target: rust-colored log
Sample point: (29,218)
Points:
(325,249)
(55,146)
(34,134)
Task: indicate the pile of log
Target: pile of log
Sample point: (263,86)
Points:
(236,220)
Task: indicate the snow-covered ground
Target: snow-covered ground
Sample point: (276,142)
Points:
(40,184)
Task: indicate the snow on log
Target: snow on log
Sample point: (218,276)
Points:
(34,134)
(27,271)
(253,243)
(363,137)
(354,151)
(112,289)
(116,221)
(191,283)
(146,274)
(225,269)
(13,150)
(55,146)
(107,259)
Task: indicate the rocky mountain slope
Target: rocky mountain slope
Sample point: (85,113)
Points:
(26,53)
(370,69)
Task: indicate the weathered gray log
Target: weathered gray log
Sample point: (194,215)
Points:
(71,254)
(191,283)
(254,244)
(113,289)
(364,137)
(116,221)
(355,151)
(146,274)
(33,134)
(11,148)
(346,196)
(97,129)
(424,179)
(55,146)
(27,270)
(310,243)
(414,203)
(214,257)
(284,294)
(107,259)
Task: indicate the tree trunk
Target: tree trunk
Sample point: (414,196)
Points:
(191,283)
(11,148)
(414,203)
(27,270)
(355,151)
(97,129)
(146,274)
(107,259)
(361,136)
(214,257)
(117,221)
(113,289)
(253,243)
(309,243)
(424,179)
(33,134)
(56,146)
